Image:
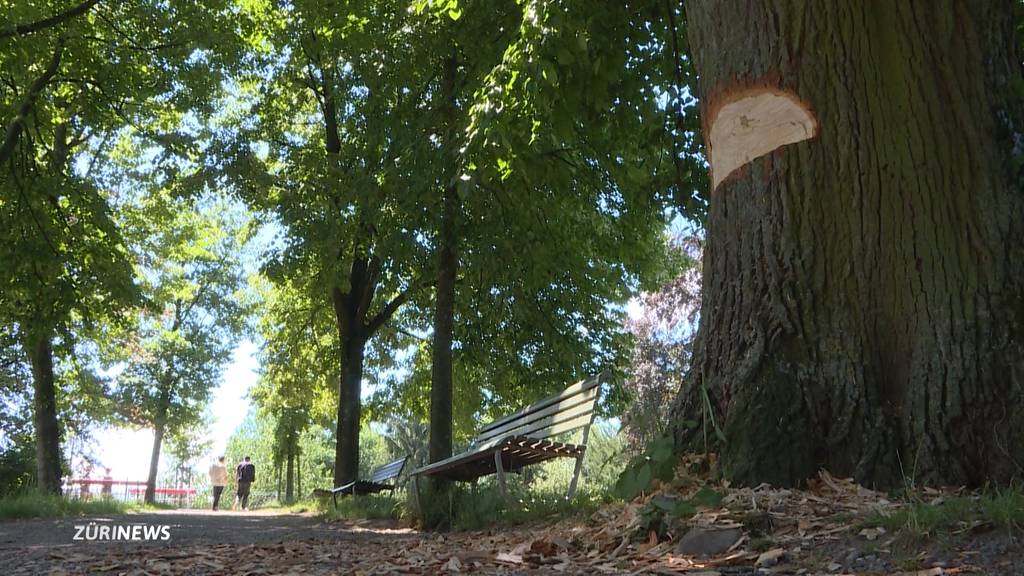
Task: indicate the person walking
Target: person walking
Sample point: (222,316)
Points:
(245,475)
(218,479)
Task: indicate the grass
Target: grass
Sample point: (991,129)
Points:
(294,508)
(997,508)
(471,507)
(373,507)
(30,505)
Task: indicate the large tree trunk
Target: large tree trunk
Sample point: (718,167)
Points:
(346,448)
(44,413)
(863,294)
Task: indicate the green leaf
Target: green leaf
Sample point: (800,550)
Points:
(707,497)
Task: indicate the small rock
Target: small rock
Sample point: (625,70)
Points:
(704,542)
(851,557)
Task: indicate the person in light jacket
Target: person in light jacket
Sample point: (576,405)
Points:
(218,479)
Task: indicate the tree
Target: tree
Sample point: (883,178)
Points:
(194,283)
(343,120)
(569,162)
(662,333)
(74,73)
(862,303)
(185,446)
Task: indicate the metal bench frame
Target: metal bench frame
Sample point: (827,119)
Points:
(523,438)
(375,484)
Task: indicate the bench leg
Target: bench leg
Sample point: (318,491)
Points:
(335,495)
(499,468)
(575,477)
(416,494)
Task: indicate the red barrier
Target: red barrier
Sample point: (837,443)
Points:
(167,491)
(96,482)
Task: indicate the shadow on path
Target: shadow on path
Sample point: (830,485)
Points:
(184,527)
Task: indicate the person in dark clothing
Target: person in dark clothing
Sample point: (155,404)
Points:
(245,475)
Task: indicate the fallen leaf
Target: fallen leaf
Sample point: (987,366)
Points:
(770,557)
(509,558)
(453,565)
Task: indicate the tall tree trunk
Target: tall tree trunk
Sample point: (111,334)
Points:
(159,428)
(441,390)
(440,445)
(289,482)
(863,301)
(346,449)
(44,416)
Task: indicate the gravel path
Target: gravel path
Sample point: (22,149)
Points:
(31,546)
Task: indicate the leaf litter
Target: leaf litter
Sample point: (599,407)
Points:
(760,530)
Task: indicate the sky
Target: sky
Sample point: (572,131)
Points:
(127,452)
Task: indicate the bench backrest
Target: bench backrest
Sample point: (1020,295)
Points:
(569,410)
(388,471)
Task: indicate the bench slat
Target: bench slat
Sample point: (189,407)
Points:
(388,471)
(524,437)
(588,398)
(563,426)
(479,462)
(539,428)
(577,388)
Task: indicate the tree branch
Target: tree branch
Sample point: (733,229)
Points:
(389,310)
(18,124)
(56,20)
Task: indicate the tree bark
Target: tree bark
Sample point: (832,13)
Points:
(863,301)
(159,429)
(289,481)
(441,385)
(44,404)
(346,449)
(154,461)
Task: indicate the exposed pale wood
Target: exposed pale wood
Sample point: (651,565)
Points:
(754,123)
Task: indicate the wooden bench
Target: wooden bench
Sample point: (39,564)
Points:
(508,444)
(375,484)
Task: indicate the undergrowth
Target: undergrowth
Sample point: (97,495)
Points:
(372,507)
(995,508)
(33,505)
